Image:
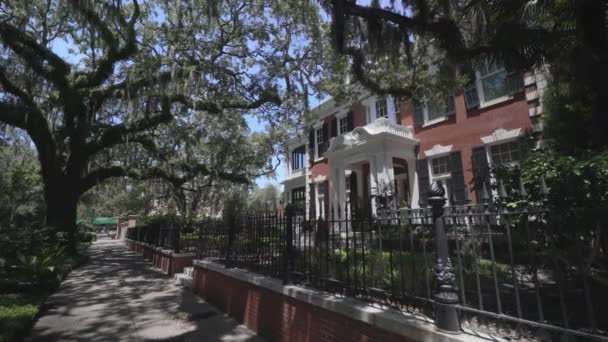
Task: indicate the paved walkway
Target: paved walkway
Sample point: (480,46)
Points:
(118,296)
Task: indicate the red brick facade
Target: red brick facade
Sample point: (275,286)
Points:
(463,130)
(281,318)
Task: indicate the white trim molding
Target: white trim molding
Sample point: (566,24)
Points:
(319,179)
(501,135)
(438,150)
(535,111)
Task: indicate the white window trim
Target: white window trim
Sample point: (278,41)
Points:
(339,117)
(488,147)
(438,150)
(317,156)
(425,115)
(501,135)
(434,121)
(290,163)
(379,99)
(480,94)
(440,177)
(489,152)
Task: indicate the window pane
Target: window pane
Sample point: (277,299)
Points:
(297,158)
(439,165)
(381,108)
(343,125)
(436,109)
(470,97)
(505,153)
(494,86)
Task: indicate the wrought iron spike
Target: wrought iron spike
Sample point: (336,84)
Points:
(543,186)
(484,193)
(437,190)
(467,195)
(522,189)
(502,193)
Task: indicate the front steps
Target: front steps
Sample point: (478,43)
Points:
(185,278)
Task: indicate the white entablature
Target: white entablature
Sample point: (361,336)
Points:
(501,135)
(380,129)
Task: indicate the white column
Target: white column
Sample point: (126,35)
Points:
(373,182)
(413,178)
(390,106)
(342,190)
(337,190)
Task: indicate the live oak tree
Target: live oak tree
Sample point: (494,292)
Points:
(92,80)
(390,47)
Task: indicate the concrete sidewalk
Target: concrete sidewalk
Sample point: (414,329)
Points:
(118,296)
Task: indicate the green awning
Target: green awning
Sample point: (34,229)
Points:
(105,221)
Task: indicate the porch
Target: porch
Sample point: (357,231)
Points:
(373,166)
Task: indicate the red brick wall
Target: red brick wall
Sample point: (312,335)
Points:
(281,318)
(465,129)
(167,263)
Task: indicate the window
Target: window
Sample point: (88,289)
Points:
(505,153)
(491,83)
(439,166)
(298,198)
(343,125)
(493,79)
(440,172)
(381,110)
(397,105)
(297,158)
(319,140)
(435,109)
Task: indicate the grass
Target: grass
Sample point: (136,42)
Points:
(17,313)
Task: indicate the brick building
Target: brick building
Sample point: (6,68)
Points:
(387,150)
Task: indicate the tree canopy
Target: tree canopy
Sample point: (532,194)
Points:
(142,83)
(404,47)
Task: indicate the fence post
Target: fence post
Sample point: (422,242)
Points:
(177,228)
(446,316)
(287,253)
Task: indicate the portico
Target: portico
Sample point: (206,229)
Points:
(373,162)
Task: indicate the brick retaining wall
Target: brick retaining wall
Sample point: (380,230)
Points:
(278,317)
(292,313)
(166,260)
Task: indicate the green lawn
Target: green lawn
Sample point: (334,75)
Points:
(17,311)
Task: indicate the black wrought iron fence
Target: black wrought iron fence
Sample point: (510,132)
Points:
(517,271)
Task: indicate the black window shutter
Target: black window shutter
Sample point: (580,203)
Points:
(423,181)
(451,105)
(471,99)
(418,113)
(481,170)
(334,127)
(311,145)
(515,83)
(350,121)
(457,179)
(311,201)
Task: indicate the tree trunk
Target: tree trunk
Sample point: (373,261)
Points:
(61,210)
